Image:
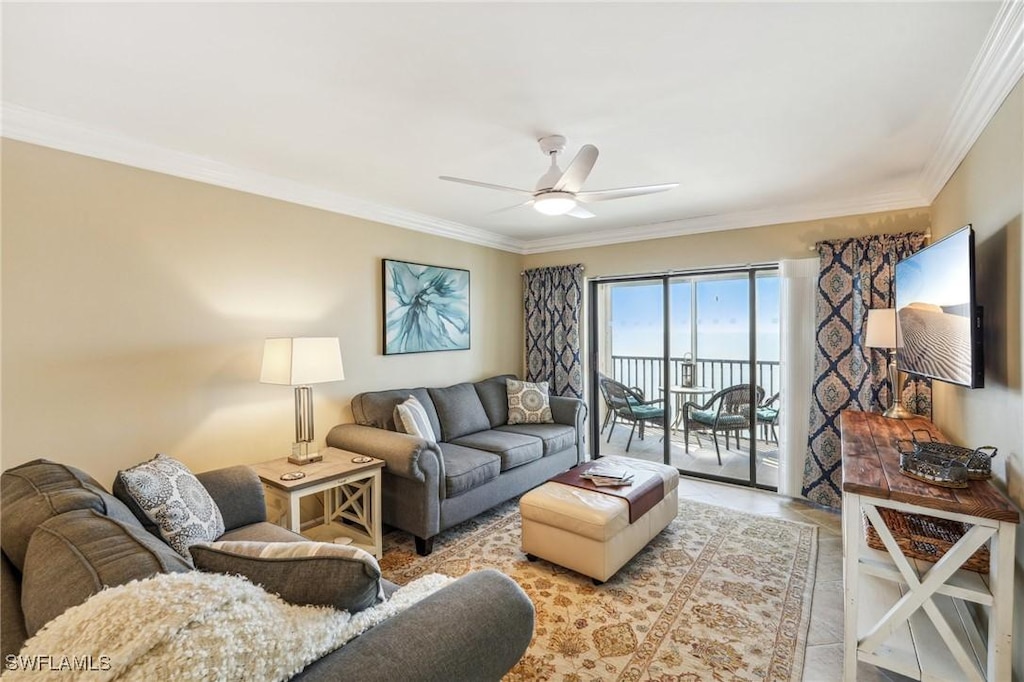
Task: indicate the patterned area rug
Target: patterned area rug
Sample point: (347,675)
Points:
(719,595)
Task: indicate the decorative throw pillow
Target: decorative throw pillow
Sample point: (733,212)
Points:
(411,418)
(316,573)
(174,499)
(528,403)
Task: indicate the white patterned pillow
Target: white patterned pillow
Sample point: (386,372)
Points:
(411,418)
(174,499)
(528,403)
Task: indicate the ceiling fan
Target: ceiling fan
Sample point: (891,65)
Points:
(559,193)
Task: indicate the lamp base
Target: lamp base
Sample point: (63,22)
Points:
(301,454)
(897,411)
(309,459)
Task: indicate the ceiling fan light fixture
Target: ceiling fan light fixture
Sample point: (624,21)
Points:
(554,203)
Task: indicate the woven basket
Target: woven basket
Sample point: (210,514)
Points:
(924,537)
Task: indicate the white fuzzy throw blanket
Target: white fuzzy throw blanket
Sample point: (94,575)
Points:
(201,626)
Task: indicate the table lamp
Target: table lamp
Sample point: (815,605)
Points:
(300,362)
(883,331)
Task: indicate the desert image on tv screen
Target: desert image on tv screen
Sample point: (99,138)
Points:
(933,301)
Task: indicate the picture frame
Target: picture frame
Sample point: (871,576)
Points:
(426,308)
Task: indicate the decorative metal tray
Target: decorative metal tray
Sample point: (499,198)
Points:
(978,461)
(929,467)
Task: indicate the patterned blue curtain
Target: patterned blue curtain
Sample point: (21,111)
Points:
(553,301)
(855,276)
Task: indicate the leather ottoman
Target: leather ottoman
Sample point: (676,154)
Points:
(590,531)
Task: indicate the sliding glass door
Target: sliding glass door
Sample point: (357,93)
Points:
(689,360)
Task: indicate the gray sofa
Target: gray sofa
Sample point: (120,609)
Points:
(475,628)
(479,460)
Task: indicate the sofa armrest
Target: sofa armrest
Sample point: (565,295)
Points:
(476,628)
(238,493)
(572,412)
(406,456)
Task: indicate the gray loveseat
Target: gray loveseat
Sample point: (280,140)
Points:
(65,537)
(479,460)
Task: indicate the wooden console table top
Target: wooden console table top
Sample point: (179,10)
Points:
(871,466)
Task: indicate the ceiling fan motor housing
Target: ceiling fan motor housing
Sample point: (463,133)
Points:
(552,144)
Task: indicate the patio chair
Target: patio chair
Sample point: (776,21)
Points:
(629,404)
(727,411)
(768,417)
(609,410)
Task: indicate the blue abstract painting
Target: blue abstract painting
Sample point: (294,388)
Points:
(426,308)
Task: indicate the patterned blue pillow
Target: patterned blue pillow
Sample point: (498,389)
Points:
(528,403)
(174,499)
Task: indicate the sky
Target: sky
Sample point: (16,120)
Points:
(939,275)
(722,318)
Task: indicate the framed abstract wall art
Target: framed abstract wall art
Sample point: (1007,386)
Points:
(426,308)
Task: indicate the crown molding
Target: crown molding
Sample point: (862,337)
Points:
(998,67)
(36,127)
(893,201)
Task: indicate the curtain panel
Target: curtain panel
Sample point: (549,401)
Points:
(553,302)
(855,275)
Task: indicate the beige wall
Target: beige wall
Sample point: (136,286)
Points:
(135,307)
(987,191)
(735,247)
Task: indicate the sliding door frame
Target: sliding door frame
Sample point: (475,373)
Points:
(666,279)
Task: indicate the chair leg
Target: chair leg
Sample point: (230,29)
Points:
(615,420)
(607,416)
(630,441)
(714,434)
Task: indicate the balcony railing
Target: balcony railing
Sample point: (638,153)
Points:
(646,371)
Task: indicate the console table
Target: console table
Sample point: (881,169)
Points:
(907,615)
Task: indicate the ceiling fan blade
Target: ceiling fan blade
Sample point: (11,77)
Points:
(576,174)
(580,212)
(486,185)
(623,193)
(528,202)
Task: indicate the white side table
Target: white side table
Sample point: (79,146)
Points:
(351,497)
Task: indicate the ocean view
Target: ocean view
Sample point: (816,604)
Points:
(722,327)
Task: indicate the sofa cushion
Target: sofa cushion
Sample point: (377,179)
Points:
(75,555)
(528,403)
(315,573)
(459,410)
(467,468)
(513,448)
(377,408)
(556,437)
(411,418)
(494,397)
(39,490)
(264,531)
(173,498)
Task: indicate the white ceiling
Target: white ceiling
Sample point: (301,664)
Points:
(763,112)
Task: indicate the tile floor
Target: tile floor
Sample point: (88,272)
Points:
(824,658)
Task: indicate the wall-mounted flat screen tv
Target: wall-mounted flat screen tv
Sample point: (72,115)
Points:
(937,312)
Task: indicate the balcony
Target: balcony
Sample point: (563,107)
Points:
(646,373)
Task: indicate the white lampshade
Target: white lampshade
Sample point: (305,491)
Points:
(882,330)
(301,361)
